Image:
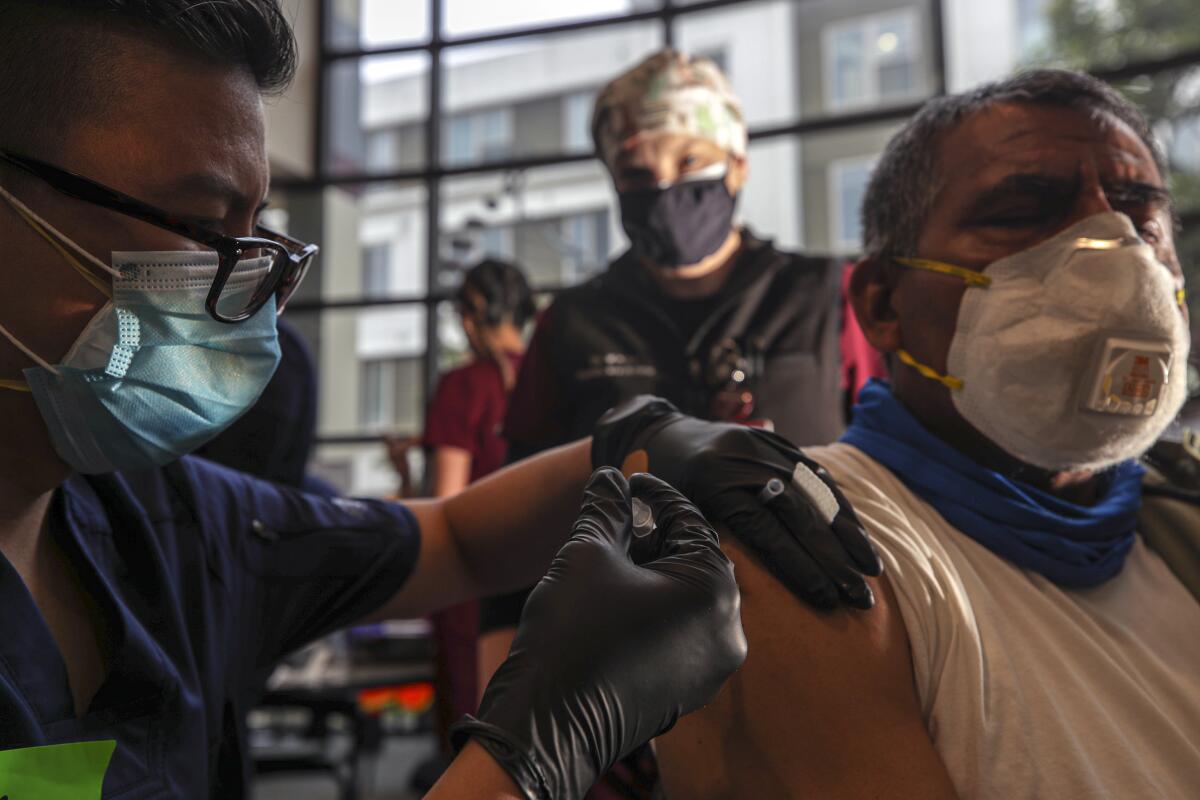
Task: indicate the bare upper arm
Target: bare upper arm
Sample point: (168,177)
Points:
(825,706)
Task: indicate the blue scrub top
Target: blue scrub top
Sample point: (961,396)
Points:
(205,578)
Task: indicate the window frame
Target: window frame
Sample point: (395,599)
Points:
(834,171)
(929,25)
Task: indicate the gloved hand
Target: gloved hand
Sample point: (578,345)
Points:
(610,653)
(803,530)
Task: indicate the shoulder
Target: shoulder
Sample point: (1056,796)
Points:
(234,504)
(820,695)
(584,296)
(467,375)
(805,269)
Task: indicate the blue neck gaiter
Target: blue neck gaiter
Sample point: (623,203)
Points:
(1074,546)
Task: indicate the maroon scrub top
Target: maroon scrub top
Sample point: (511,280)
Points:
(468,411)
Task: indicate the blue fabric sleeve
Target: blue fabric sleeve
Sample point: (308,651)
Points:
(297,565)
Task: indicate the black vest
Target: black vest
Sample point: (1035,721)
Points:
(610,339)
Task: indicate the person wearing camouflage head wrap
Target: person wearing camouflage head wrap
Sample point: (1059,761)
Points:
(673,136)
(669,92)
(698,310)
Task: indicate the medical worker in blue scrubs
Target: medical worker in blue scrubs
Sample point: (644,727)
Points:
(143,593)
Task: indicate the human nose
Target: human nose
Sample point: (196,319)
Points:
(664,172)
(1091,199)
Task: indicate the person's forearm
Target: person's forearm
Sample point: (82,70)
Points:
(474,775)
(508,526)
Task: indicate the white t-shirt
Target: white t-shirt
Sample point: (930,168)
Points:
(1029,690)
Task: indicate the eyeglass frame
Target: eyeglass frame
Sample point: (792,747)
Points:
(229,248)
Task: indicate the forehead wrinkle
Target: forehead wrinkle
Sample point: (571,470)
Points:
(1119,162)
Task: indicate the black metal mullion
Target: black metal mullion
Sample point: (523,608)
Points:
(506,34)
(668,7)
(436,171)
(1132,69)
(433,196)
(819,124)
(319,102)
(937,24)
(390,50)
(556,159)
(318,306)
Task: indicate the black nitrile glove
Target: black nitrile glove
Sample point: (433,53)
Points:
(805,531)
(610,653)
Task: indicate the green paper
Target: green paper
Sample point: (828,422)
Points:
(55,772)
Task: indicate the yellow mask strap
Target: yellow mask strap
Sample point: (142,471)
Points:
(57,240)
(970,276)
(16,386)
(949,381)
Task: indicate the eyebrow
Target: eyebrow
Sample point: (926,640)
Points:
(1138,192)
(1047,189)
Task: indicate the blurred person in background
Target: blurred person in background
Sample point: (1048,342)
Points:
(463,426)
(462,442)
(700,310)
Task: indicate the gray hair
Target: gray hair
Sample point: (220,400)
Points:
(905,179)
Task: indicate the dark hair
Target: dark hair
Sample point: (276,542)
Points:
(906,177)
(59,59)
(504,289)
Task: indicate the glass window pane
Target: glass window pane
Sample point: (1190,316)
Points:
(847,183)
(377,268)
(789,60)
(986,41)
(362,469)
(868,58)
(577,120)
(367,24)
(557,223)
(849,68)
(370,383)
(471,17)
(373,242)
(376,117)
(755,44)
(532,96)
(771,204)
(837,167)
(300,214)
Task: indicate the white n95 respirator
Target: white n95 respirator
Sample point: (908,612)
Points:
(1071,354)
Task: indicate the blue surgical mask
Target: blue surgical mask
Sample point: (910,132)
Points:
(152,376)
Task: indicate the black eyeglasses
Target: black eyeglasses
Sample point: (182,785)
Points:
(251,269)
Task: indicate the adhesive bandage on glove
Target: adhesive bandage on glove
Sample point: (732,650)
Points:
(806,534)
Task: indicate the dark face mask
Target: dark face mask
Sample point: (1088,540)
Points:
(681,224)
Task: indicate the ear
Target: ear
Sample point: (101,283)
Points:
(739,170)
(470,326)
(872,285)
